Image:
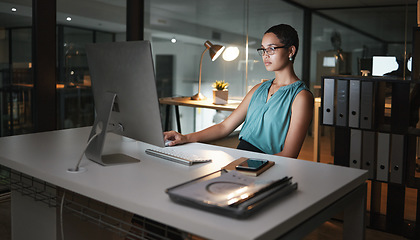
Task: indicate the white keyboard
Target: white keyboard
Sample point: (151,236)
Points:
(176,156)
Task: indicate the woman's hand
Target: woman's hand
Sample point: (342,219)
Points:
(175,138)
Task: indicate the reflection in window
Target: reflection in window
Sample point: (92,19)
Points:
(74,93)
(16,82)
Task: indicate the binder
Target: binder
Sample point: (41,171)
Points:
(368,152)
(382,160)
(397,158)
(366,105)
(354,103)
(342,104)
(355,148)
(328,104)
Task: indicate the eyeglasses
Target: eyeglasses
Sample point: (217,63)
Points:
(269,50)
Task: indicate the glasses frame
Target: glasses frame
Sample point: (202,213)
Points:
(271,50)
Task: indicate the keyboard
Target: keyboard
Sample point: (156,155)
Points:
(176,156)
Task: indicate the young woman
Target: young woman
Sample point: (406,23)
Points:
(276,113)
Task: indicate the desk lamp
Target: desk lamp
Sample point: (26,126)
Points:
(215,51)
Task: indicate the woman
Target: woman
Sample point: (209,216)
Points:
(276,113)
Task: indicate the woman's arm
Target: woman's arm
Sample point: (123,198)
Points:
(302,112)
(216,131)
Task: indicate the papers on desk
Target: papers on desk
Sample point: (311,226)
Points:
(230,193)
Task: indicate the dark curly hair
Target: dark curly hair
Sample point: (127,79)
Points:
(287,35)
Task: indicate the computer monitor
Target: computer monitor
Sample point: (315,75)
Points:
(126,101)
(382,65)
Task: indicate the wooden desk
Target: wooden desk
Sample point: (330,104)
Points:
(231,106)
(187,102)
(323,190)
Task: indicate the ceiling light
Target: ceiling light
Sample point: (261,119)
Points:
(173,40)
(14,9)
(68,18)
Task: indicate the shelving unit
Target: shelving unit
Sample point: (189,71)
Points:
(374,121)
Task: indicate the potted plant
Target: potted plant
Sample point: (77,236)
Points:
(220,92)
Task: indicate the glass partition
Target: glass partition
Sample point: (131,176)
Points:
(75,102)
(21,82)
(178,31)
(357,38)
(81,23)
(74,93)
(16,82)
(263,15)
(181,34)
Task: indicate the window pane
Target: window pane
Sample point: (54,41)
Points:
(104,37)
(80,23)
(191,23)
(344,36)
(20,107)
(75,102)
(16,80)
(273,12)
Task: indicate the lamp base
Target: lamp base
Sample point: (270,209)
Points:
(198,96)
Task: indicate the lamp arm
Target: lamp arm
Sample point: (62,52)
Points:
(199,78)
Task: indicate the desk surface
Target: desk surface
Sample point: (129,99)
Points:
(186,101)
(140,187)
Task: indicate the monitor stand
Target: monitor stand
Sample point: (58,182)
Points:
(99,130)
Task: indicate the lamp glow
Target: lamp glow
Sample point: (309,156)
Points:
(231,53)
(214,51)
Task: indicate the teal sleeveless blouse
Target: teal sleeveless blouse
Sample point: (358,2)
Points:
(267,123)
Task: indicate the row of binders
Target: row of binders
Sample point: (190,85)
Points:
(348,103)
(382,154)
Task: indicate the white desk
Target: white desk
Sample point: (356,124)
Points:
(323,190)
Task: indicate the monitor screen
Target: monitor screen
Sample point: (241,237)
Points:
(126,101)
(382,65)
(329,62)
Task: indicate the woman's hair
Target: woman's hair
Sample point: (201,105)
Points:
(287,35)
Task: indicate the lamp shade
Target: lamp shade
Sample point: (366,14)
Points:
(214,50)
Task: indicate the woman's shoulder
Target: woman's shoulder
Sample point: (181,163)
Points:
(262,83)
(305,96)
(301,85)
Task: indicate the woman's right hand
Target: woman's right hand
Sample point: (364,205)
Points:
(175,138)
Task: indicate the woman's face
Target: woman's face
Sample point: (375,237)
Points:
(280,57)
